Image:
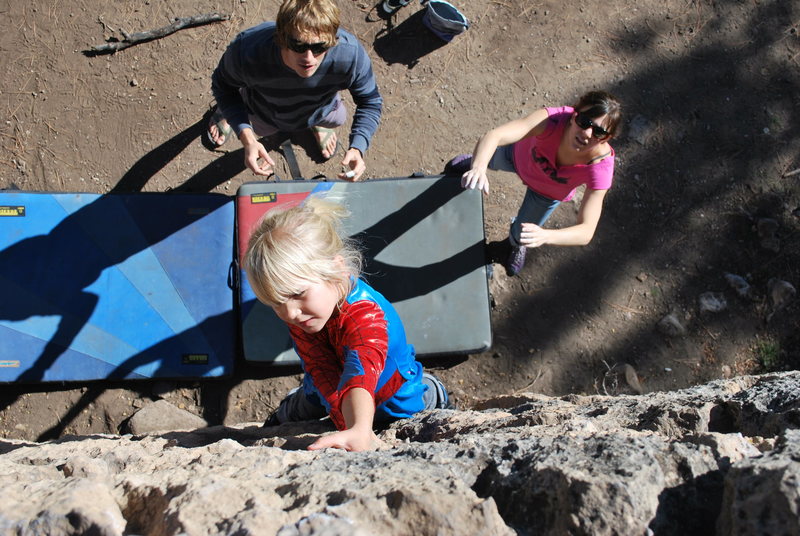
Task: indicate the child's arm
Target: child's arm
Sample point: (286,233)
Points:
(358,410)
(359,334)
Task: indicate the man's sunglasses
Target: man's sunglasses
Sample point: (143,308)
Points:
(584,121)
(301,48)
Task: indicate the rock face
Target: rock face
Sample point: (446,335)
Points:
(722,458)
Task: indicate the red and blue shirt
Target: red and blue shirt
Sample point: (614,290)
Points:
(362,345)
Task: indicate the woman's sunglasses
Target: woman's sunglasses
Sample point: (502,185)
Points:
(584,121)
(301,48)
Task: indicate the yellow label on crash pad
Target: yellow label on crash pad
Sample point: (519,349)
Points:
(270,197)
(12,211)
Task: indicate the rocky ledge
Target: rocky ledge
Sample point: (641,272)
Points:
(721,458)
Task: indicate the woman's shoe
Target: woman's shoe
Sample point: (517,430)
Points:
(458,165)
(516,260)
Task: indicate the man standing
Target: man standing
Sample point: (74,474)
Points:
(286,76)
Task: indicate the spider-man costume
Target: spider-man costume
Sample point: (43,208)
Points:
(362,345)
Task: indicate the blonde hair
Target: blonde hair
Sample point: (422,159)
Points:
(292,247)
(320,17)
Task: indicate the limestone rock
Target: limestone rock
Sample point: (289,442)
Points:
(640,129)
(739,284)
(780,294)
(762,493)
(163,416)
(719,458)
(712,302)
(671,326)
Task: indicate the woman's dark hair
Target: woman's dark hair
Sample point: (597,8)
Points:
(597,103)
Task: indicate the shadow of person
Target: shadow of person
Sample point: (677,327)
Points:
(228,165)
(407,42)
(53,274)
(216,330)
(54,280)
(47,275)
(135,179)
(399,283)
(498,251)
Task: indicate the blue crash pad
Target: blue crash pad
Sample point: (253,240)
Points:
(115,286)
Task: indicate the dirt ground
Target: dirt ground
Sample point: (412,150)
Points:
(708,153)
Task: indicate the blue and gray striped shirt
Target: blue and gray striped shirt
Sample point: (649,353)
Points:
(276,94)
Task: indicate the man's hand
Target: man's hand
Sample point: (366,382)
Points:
(256,157)
(354,165)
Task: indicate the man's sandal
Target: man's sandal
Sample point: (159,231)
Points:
(322,135)
(216,118)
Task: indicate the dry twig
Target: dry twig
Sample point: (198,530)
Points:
(143,37)
(613,379)
(535,82)
(623,308)
(531,384)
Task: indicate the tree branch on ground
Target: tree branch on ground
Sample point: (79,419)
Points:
(149,35)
